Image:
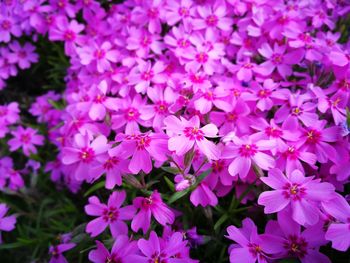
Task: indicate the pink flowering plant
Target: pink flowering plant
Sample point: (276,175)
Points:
(160,131)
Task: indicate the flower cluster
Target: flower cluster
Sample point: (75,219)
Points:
(221,94)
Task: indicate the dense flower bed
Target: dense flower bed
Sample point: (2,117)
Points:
(191,131)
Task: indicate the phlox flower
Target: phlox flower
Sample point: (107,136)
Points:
(303,245)
(111,215)
(67,31)
(148,206)
(102,55)
(131,113)
(141,147)
(278,58)
(57,251)
(339,231)
(245,151)
(145,73)
(25,138)
(22,55)
(302,194)
(156,249)
(82,154)
(8,26)
(184,134)
(251,246)
(150,14)
(204,101)
(9,114)
(213,16)
(121,252)
(142,42)
(7,223)
(179,11)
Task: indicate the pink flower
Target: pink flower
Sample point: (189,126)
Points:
(302,194)
(278,58)
(338,231)
(184,134)
(131,113)
(244,151)
(23,56)
(102,55)
(8,26)
(177,11)
(148,206)
(9,114)
(57,251)
(213,16)
(67,31)
(25,138)
(7,223)
(157,249)
(112,215)
(144,74)
(250,245)
(141,147)
(83,155)
(121,252)
(149,13)
(303,245)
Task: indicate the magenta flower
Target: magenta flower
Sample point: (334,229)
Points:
(204,101)
(57,251)
(144,74)
(250,246)
(278,58)
(338,231)
(7,223)
(296,244)
(9,114)
(162,250)
(131,113)
(111,215)
(184,134)
(121,252)
(246,150)
(25,138)
(23,56)
(179,11)
(141,148)
(102,55)
(67,31)
(82,154)
(302,194)
(213,16)
(316,139)
(8,26)
(148,206)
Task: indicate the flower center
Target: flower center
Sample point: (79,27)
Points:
(146,41)
(132,114)
(153,13)
(99,98)
(218,166)
(277,59)
(87,154)
(293,191)
(25,138)
(313,136)
(209,95)
(296,111)
(143,142)
(202,57)
(296,246)
(183,11)
(161,107)
(6,24)
(211,20)
(273,132)
(147,75)
(183,43)
(264,93)
(100,53)
(111,214)
(194,133)
(110,163)
(69,35)
(248,150)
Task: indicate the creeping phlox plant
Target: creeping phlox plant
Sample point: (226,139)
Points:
(185,131)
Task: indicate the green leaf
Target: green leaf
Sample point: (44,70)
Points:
(94,188)
(12,245)
(177,196)
(171,170)
(202,176)
(221,220)
(169,183)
